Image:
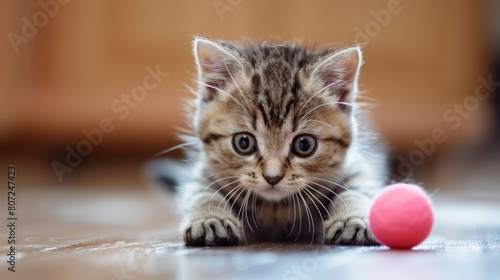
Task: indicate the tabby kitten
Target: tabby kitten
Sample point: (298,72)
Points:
(280,150)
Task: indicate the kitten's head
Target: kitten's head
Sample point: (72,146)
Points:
(275,117)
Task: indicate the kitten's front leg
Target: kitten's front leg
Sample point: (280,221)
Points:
(207,222)
(349,220)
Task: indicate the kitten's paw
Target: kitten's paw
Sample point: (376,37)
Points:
(350,230)
(212,231)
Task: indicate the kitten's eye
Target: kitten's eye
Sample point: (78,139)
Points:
(244,143)
(304,145)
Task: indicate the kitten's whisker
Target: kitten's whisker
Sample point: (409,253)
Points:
(300,218)
(367,153)
(310,221)
(228,197)
(225,199)
(294,216)
(326,209)
(254,206)
(245,203)
(240,213)
(216,181)
(232,97)
(332,191)
(204,178)
(226,185)
(172,149)
(311,196)
(316,93)
(346,188)
(241,219)
(319,122)
(366,101)
(241,189)
(287,204)
(324,104)
(368,133)
(342,182)
(237,85)
(236,199)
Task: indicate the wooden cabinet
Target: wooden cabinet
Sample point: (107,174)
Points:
(422,57)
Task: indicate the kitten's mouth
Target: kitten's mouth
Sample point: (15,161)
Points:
(273,193)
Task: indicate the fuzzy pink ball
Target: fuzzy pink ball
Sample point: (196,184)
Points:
(401,216)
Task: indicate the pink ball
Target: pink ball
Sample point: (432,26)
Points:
(401,216)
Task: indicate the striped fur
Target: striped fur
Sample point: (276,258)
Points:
(275,93)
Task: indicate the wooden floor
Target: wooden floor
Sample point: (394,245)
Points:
(131,234)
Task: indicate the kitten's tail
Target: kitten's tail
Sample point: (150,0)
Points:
(168,174)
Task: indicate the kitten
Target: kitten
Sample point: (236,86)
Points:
(281,151)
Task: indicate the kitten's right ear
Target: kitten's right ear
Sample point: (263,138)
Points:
(216,67)
(339,73)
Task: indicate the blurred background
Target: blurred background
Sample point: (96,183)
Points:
(75,110)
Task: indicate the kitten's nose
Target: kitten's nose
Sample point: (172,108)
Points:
(273,180)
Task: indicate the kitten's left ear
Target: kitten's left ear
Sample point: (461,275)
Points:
(217,66)
(339,73)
